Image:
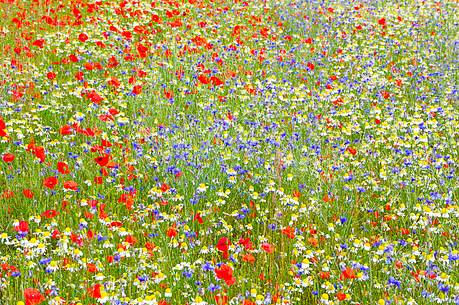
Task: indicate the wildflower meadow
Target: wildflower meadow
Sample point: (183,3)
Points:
(229,152)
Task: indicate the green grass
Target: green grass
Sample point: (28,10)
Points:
(368,169)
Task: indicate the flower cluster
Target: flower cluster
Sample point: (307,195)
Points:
(228,152)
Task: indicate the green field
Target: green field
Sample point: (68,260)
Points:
(229,152)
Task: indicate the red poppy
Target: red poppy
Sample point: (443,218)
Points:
(142,50)
(155,18)
(71,185)
(23,226)
(114,82)
(352,151)
(165,187)
(56,234)
(248,258)
(149,245)
(341,296)
(127,35)
(39,152)
(94,97)
(89,66)
(7,194)
(27,193)
(203,79)
(137,90)
(215,81)
(268,248)
(50,182)
(313,241)
(39,43)
(246,243)
(2,128)
(225,273)
(324,275)
(8,158)
(73,58)
(65,130)
(347,273)
(172,232)
(116,224)
(51,75)
(130,240)
(198,218)
(33,296)
(79,75)
(91,268)
(105,117)
(264,32)
(405,231)
(168,94)
(102,160)
(223,244)
(83,37)
(385,94)
(289,232)
(49,214)
(94,291)
(77,239)
(113,111)
(63,168)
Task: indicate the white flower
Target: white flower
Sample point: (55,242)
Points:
(202,188)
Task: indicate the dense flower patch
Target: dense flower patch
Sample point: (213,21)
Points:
(228,152)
